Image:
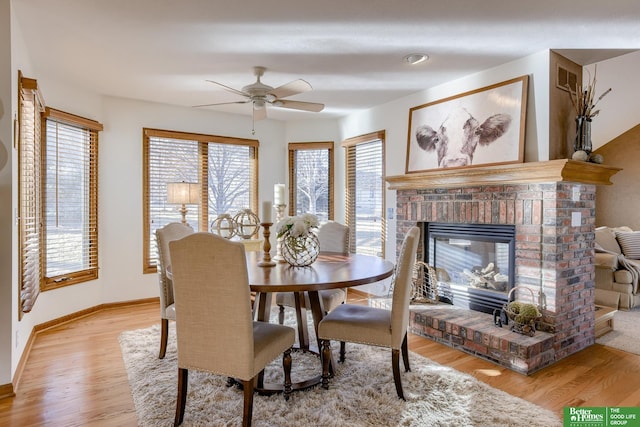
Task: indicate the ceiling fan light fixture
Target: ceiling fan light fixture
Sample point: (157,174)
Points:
(415,58)
(258,104)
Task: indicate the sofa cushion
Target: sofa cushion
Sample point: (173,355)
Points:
(629,243)
(606,239)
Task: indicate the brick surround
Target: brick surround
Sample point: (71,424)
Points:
(551,255)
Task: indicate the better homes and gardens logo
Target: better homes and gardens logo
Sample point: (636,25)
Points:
(602,417)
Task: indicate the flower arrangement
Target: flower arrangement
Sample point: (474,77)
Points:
(297,226)
(300,246)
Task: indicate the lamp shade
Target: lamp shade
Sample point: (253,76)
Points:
(183,193)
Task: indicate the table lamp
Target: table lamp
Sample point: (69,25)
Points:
(183,193)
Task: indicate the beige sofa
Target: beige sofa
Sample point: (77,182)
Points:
(617,259)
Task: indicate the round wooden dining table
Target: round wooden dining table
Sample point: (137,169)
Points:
(330,271)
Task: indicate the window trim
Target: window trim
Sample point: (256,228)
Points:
(203,140)
(299,146)
(347,144)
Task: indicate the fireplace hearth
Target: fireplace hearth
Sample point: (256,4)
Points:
(474,263)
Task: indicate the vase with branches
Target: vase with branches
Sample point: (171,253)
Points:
(584,103)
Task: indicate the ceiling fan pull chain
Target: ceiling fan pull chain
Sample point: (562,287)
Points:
(253,120)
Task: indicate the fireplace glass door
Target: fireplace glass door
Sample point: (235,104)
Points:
(474,263)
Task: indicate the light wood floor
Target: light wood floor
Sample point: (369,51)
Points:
(75,375)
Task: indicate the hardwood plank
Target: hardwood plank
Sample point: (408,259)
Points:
(75,375)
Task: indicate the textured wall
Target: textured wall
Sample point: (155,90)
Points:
(619,204)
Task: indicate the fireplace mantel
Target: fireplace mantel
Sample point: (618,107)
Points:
(515,173)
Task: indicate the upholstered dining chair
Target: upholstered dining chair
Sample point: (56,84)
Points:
(214,326)
(164,235)
(375,326)
(333,237)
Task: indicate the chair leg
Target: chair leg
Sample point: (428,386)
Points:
(325,354)
(405,354)
(181,401)
(286,364)
(395,361)
(281,314)
(247,413)
(164,335)
(343,348)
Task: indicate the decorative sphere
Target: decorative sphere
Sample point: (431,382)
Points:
(247,223)
(224,226)
(596,158)
(580,155)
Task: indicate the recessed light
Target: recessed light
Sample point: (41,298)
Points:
(415,58)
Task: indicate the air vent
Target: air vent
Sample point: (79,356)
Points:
(566,77)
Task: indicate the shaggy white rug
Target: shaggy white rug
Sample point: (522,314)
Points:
(362,393)
(626,332)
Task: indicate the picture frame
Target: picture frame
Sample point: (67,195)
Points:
(481,127)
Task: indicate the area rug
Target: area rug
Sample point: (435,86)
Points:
(362,393)
(626,332)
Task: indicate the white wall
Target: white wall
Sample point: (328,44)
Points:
(620,109)
(7,292)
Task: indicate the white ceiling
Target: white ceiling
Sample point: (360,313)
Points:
(350,51)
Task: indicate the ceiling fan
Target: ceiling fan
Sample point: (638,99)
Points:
(260,94)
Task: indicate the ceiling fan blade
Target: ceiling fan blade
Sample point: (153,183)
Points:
(259,113)
(299,105)
(223,103)
(292,88)
(230,89)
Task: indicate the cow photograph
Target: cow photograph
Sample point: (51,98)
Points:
(481,127)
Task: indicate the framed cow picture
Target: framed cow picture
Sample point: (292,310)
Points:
(478,128)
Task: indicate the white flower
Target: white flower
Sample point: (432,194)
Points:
(297,226)
(284,225)
(310,219)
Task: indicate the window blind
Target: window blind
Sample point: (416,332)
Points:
(365,193)
(311,179)
(30,107)
(70,200)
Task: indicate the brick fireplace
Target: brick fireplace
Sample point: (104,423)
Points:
(552,206)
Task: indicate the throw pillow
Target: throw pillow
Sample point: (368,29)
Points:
(629,243)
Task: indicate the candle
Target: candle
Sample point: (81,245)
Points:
(278,194)
(266,212)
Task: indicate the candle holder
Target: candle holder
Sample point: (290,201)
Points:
(266,256)
(279,215)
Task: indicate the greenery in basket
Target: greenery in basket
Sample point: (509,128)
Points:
(524,312)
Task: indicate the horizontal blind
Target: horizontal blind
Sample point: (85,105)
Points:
(70,201)
(169,160)
(311,182)
(29,192)
(365,196)
(229,178)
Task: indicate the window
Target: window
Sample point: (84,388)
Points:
(57,196)
(30,107)
(311,179)
(226,169)
(70,202)
(365,193)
